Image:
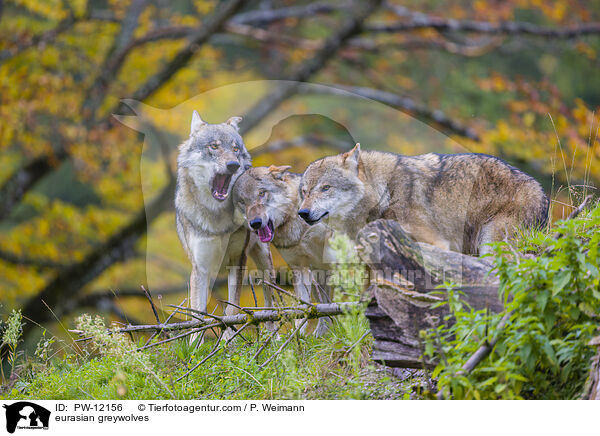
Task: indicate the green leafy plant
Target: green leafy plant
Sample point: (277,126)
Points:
(11,338)
(552,301)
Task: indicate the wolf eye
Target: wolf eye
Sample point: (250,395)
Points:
(236,148)
(325,188)
(262,193)
(213,145)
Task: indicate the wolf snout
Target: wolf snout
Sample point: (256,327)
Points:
(232,166)
(304,214)
(256,223)
(309,216)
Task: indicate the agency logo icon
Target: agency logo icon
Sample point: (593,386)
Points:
(26,415)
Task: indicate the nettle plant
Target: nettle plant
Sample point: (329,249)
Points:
(553,299)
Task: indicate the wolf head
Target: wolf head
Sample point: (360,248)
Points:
(331,187)
(267,197)
(214,155)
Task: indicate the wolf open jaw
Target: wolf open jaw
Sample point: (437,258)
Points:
(268,198)
(458,202)
(208,164)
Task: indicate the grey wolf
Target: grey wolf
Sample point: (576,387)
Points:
(458,202)
(208,164)
(269,199)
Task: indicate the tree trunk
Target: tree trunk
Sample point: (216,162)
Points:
(403,275)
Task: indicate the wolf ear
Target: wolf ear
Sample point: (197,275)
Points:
(352,157)
(196,122)
(234,121)
(278,172)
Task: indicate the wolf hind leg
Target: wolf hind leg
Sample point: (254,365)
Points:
(302,287)
(322,293)
(501,228)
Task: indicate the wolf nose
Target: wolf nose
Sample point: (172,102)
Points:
(256,223)
(304,214)
(232,166)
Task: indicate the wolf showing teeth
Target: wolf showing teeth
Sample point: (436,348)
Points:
(208,164)
(269,199)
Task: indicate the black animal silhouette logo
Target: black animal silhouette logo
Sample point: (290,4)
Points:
(26,415)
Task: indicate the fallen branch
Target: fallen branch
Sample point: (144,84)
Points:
(289,294)
(292,335)
(211,354)
(267,341)
(156,333)
(575,213)
(254,318)
(149,297)
(485,349)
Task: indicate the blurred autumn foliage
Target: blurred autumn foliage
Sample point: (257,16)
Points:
(79,190)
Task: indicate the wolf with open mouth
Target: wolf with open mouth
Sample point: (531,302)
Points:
(269,199)
(208,164)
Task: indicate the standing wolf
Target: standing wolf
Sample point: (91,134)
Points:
(457,202)
(208,164)
(269,199)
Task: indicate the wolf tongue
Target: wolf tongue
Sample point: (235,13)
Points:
(265,234)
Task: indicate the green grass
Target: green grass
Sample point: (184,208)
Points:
(308,368)
(108,366)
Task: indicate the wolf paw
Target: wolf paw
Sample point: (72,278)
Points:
(323,327)
(302,330)
(228,334)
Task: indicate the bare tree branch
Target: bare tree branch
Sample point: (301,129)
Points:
(241,24)
(49,36)
(467,50)
(43,38)
(24,178)
(270,37)
(402,103)
(114,60)
(256,317)
(308,68)
(271,15)
(38,263)
(288,340)
(422,21)
(210,26)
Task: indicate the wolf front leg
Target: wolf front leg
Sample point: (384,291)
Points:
(261,255)
(207,255)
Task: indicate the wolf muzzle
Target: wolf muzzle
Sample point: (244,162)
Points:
(263,228)
(308,216)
